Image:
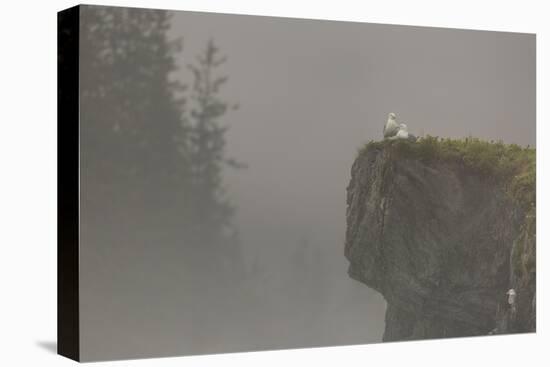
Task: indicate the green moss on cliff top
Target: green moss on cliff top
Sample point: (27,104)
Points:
(510,164)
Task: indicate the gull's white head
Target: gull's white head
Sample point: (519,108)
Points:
(403,126)
(391,115)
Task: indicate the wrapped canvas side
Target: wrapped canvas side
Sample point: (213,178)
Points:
(68,183)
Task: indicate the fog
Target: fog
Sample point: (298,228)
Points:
(311,93)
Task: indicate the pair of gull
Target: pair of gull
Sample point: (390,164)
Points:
(394,130)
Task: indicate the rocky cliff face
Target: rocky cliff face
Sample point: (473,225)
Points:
(438,241)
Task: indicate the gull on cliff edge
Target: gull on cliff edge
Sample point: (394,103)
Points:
(393,130)
(392,127)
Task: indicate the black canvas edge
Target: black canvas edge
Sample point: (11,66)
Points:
(68,331)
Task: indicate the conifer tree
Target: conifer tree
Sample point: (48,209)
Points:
(212,211)
(131,112)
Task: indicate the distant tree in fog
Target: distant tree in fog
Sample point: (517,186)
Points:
(146,146)
(131,115)
(206,148)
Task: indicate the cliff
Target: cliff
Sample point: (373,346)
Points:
(443,229)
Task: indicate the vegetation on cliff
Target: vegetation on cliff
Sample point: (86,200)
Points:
(511,164)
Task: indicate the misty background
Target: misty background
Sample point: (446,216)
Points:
(209,228)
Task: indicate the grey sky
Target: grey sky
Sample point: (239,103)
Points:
(311,93)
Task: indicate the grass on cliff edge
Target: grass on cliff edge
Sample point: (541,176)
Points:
(510,163)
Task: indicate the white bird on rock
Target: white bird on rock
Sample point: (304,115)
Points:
(403,133)
(392,127)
